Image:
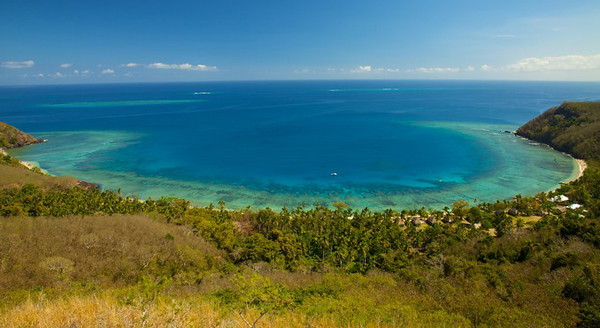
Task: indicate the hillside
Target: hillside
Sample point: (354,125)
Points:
(572,127)
(11,137)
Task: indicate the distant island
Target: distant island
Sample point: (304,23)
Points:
(71,256)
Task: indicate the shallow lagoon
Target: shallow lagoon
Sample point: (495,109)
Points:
(392,144)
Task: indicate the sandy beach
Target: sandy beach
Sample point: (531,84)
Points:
(582,166)
(29,165)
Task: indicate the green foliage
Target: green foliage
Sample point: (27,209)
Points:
(145,291)
(584,287)
(10,161)
(571,127)
(564,260)
(255,292)
(460,208)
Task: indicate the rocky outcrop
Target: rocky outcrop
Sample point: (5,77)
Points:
(88,185)
(11,137)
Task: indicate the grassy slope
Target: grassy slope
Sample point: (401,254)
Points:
(108,250)
(16,177)
(11,137)
(572,127)
(85,270)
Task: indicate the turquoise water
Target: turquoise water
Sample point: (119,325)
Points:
(399,144)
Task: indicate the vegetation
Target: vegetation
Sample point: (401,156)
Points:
(13,174)
(572,127)
(11,137)
(76,256)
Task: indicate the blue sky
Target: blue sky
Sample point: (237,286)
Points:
(132,41)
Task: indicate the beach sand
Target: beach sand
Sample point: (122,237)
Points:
(582,166)
(29,164)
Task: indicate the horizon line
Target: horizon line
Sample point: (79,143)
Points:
(293,80)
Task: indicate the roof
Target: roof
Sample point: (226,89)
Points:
(560,198)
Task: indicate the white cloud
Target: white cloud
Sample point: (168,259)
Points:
(131,65)
(363,69)
(40,75)
(66,65)
(426,70)
(108,71)
(76,71)
(59,74)
(86,72)
(563,63)
(385,70)
(486,67)
(185,66)
(23,64)
(303,71)
(429,70)
(371,69)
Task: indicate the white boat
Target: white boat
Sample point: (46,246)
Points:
(333,174)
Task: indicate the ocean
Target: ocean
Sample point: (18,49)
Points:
(376,144)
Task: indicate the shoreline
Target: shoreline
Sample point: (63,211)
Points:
(242,198)
(28,164)
(581,164)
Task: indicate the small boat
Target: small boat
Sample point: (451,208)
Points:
(333,174)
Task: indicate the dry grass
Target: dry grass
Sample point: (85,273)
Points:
(16,177)
(106,311)
(533,218)
(108,250)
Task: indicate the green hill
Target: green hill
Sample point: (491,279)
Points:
(11,137)
(572,127)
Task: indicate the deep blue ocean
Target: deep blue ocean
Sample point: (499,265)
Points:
(399,144)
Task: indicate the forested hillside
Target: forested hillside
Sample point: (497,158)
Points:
(572,127)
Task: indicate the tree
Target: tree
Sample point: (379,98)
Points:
(460,208)
(256,292)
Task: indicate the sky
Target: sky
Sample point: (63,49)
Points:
(45,42)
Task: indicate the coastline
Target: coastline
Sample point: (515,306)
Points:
(578,171)
(239,197)
(28,164)
(32,166)
(582,165)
